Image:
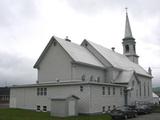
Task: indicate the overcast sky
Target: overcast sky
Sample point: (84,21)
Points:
(26,26)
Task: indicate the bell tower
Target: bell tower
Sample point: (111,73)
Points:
(129,44)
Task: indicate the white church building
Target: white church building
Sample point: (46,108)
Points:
(100,78)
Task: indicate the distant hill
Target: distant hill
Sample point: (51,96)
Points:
(157,90)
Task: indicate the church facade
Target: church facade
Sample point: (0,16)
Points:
(101,78)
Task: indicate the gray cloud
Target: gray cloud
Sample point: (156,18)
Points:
(141,8)
(16,70)
(13,11)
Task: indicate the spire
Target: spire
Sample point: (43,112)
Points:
(128,32)
(150,71)
(129,44)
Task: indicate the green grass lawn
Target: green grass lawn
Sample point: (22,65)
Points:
(156,109)
(19,114)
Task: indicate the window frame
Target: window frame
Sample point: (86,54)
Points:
(38,108)
(81,88)
(114,90)
(45,91)
(109,90)
(45,108)
(121,91)
(103,109)
(103,90)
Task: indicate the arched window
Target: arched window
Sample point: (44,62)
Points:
(148,89)
(54,43)
(134,48)
(83,77)
(91,78)
(133,83)
(144,89)
(81,88)
(98,79)
(127,48)
(139,88)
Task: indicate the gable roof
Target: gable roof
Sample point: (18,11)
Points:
(78,53)
(155,95)
(118,60)
(126,76)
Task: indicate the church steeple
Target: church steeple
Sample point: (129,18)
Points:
(129,44)
(128,32)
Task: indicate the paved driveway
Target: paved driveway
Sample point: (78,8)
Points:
(152,116)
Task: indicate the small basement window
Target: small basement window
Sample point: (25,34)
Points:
(109,108)
(44,108)
(103,109)
(114,107)
(38,107)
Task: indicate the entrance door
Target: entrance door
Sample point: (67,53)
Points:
(71,109)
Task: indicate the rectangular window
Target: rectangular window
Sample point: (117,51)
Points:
(114,107)
(109,92)
(38,107)
(144,89)
(44,108)
(103,109)
(140,89)
(103,90)
(45,91)
(136,92)
(81,88)
(148,88)
(38,91)
(41,91)
(109,108)
(114,91)
(121,91)
(130,94)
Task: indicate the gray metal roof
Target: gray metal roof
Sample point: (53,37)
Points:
(124,77)
(66,83)
(78,53)
(118,60)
